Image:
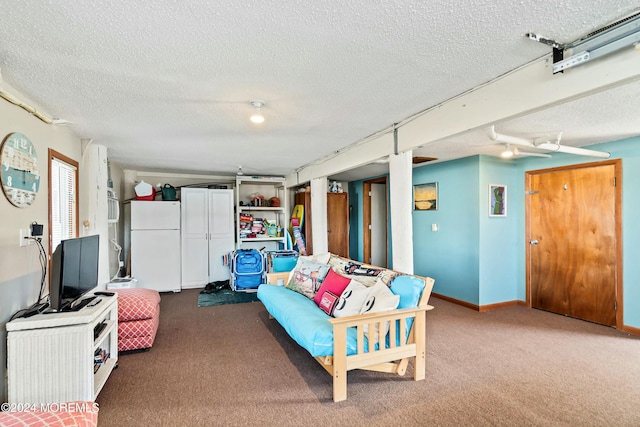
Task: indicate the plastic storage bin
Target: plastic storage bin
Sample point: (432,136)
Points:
(281,261)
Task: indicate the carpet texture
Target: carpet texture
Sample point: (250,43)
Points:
(225,296)
(231,365)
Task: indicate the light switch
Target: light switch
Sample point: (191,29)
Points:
(434,227)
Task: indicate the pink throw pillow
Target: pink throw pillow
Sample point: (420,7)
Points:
(328,302)
(333,283)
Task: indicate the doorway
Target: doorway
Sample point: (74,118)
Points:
(375,222)
(574,250)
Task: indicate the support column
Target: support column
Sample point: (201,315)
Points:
(319,215)
(400,200)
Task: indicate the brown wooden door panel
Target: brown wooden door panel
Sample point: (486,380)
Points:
(573,266)
(338,223)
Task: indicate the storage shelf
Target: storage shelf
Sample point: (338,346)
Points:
(104,333)
(101,376)
(259,208)
(268,187)
(263,239)
(261,180)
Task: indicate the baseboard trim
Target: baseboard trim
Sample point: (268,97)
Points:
(480,308)
(630,330)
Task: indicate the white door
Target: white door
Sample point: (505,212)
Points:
(379,224)
(221,232)
(195,237)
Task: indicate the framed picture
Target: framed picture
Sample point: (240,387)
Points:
(425,197)
(497,200)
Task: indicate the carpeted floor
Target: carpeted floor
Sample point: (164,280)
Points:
(225,296)
(232,365)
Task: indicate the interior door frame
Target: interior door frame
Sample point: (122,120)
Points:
(617,163)
(366,217)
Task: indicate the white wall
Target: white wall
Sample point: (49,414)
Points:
(19,266)
(20,269)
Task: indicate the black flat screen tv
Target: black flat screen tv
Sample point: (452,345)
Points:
(74,271)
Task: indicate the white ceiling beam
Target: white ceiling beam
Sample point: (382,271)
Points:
(526,90)
(531,88)
(352,157)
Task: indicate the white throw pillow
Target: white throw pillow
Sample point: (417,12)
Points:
(380,298)
(351,300)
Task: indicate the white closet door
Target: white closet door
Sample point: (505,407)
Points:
(221,232)
(195,237)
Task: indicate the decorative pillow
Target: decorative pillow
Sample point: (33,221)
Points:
(409,288)
(351,300)
(328,301)
(307,277)
(333,283)
(366,274)
(319,258)
(380,298)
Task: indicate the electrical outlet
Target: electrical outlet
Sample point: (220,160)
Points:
(24,233)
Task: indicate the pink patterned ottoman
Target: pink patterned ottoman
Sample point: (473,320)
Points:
(77,414)
(138,318)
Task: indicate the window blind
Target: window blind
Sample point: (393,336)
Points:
(63,203)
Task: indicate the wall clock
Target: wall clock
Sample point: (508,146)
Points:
(19,170)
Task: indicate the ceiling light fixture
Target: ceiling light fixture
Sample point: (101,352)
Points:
(507,153)
(257,116)
(239,171)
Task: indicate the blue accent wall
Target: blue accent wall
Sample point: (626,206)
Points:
(356,233)
(451,254)
(500,245)
(481,259)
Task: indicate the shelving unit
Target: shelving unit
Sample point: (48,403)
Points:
(267,187)
(50,357)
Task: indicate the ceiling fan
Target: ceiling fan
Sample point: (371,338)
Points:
(515,153)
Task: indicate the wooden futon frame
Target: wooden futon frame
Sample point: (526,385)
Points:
(390,356)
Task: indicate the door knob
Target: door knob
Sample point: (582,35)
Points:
(533,242)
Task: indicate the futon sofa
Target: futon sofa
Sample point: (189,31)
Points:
(350,315)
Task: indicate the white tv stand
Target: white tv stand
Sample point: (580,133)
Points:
(50,357)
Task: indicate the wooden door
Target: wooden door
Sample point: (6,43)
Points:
(572,242)
(338,223)
(374,215)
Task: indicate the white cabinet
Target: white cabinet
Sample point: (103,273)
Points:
(207,235)
(265,188)
(50,357)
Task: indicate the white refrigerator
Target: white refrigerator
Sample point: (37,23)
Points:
(155,245)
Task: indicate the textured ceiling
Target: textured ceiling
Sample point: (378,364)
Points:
(166,85)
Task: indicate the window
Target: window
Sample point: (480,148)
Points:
(63,198)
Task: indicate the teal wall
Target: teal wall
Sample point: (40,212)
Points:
(501,246)
(356,233)
(451,254)
(481,259)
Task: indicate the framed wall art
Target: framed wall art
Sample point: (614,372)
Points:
(425,197)
(497,200)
